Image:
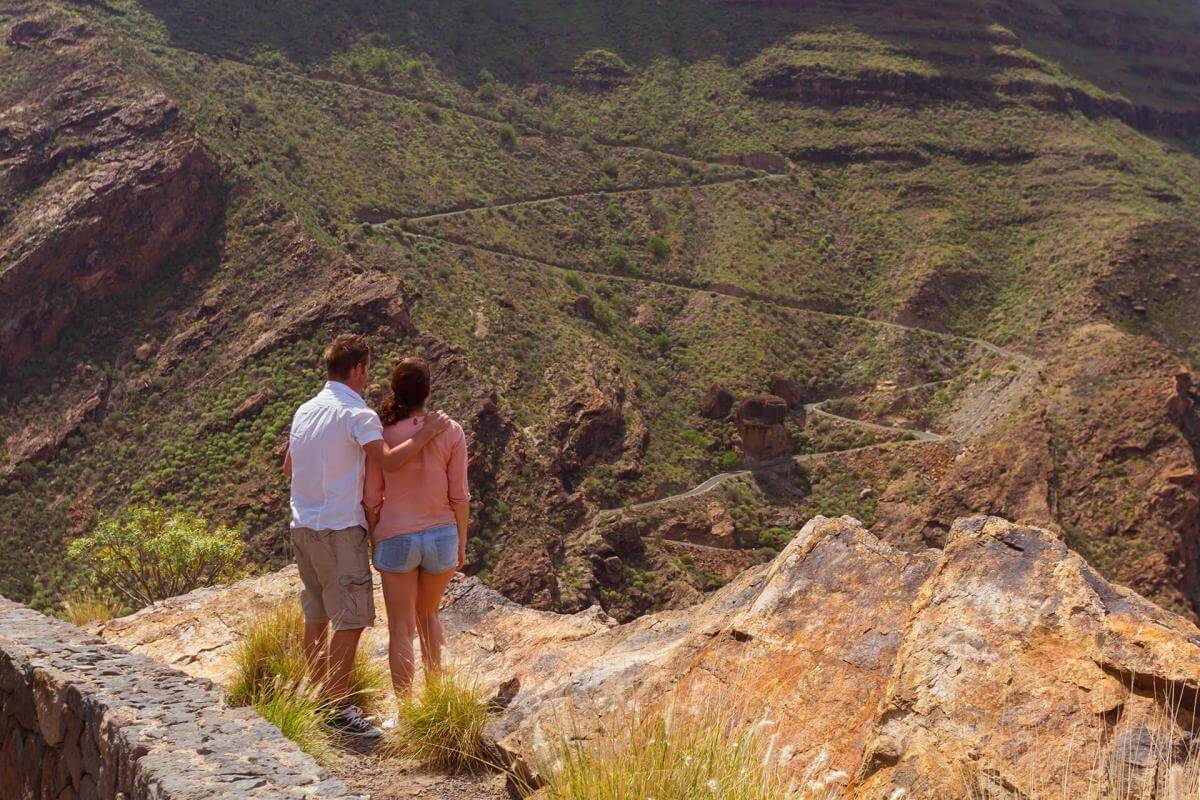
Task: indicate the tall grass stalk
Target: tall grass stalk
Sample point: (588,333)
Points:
(1152,760)
(87,608)
(667,755)
(301,715)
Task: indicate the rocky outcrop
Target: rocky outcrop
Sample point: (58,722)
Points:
(717,402)
(991,659)
(761,426)
(591,423)
(83,719)
(117,187)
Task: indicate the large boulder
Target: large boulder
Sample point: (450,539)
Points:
(1001,660)
(1018,656)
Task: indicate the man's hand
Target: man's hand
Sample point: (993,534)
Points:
(437,422)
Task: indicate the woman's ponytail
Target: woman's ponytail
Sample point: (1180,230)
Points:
(410,390)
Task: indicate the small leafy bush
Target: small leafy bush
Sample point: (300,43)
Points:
(442,726)
(658,247)
(147,553)
(508,135)
(572,279)
(609,167)
(618,258)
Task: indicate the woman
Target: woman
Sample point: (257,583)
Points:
(418,520)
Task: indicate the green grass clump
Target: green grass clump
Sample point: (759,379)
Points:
(442,725)
(663,755)
(271,655)
(301,715)
(572,279)
(270,674)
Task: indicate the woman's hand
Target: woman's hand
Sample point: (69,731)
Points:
(462,554)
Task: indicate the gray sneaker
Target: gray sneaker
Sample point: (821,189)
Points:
(350,721)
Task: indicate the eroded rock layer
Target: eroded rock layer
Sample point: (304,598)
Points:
(1000,653)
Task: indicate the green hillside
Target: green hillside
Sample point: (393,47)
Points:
(588,213)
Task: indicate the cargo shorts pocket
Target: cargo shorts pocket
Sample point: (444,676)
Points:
(357,603)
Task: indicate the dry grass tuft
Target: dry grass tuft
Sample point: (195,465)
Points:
(272,676)
(272,651)
(87,608)
(442,725)
(672,756)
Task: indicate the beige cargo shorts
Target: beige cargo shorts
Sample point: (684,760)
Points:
(335,569)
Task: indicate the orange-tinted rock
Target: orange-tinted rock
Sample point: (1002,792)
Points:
(992,659)
(760,424)
(1015,651)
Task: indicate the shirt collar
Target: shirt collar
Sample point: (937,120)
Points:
(339,388)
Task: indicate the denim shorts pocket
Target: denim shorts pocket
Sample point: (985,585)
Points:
(442,552)
(397,554)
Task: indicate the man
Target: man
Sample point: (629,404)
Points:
(332,436)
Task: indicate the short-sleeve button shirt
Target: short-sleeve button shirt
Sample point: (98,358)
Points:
(328,462)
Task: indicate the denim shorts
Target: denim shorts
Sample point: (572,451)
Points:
(433,550)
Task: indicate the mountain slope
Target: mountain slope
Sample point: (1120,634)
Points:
(588,214)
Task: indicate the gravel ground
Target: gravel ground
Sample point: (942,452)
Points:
(379,777)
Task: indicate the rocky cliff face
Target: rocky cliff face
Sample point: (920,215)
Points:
(121,185)
(990,659)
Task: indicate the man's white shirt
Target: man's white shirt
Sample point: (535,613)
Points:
(328,462)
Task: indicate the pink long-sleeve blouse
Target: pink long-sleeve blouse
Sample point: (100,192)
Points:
(423,493)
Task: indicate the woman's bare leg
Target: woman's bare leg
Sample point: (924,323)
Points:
(400,599)
(430,588)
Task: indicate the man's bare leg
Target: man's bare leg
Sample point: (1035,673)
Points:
(342,648)
(316,651)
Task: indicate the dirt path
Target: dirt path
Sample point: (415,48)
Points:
(550,198)
(919,435)
(379,777)
(528,129)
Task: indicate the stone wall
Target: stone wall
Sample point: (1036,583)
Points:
(83,719)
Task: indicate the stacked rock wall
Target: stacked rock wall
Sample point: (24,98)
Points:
(83,719)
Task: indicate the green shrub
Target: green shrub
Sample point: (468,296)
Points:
(658,247)
(508,135)
(147,554)
(442,725)
(618,258)
(573,280)
(609,167)
(662,341)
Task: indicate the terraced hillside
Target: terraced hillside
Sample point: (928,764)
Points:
(975,219)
